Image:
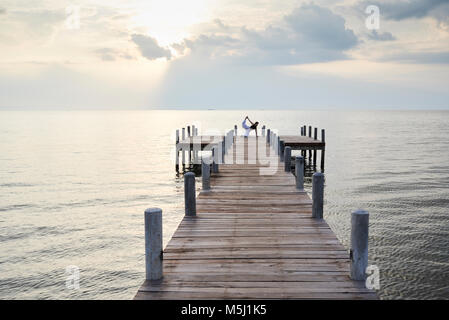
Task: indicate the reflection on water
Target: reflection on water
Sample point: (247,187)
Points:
(74,185)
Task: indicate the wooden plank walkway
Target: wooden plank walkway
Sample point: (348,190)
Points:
(254,238)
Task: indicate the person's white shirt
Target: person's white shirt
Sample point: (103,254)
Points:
(246,127)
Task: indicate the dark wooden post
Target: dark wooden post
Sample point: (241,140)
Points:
(315,136)
(281,150)
(183,151)
(299,171)
(310,151)
(317,195)
(323,139)
(288,159)
(177,150)
(189,194)
(205,173)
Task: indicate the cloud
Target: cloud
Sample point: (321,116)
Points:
(420,57)
(2,11)
(149,48)
(385,36)
(308,34)
(196,83)
(399,10)
(109,54)
(406,9)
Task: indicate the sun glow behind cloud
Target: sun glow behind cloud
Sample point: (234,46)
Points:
(169,21)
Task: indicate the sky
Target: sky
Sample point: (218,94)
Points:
(219,54)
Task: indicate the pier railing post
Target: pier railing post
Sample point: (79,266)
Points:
(278,146)
(315,137)
(153,244)
(177,150)
(317,195)
(359,244)
(223,151)
(281,150)
(323,139)
(263,131)
(189,194)
(268,135)
(235,130)
(205,173)
(183,151)
(288,159)
(299,171)
(215,160)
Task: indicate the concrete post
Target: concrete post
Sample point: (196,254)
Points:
(317,195)
(153,244)
(263,131)
(235,130)
(189,194)
(359,244)
(205,173)
(288,159)
(299,171)
(268,135)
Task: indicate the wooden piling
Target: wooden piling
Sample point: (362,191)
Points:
(153,244)
(223,151)
(288,159)
(205,173)
(317,195)
(278,149)
(281,150)
(189,194)
(183,151)
(299,172)
(215,160)
(323,150)
(310,151)
(177,151)
(359,244)
(315,136)
(189,151)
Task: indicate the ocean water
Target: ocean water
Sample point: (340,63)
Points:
(74,186)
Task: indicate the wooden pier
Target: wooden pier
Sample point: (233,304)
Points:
(252,236)
(192,144)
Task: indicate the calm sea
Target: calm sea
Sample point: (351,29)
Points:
(74,186)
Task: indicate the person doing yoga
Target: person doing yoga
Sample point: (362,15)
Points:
(247,128)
